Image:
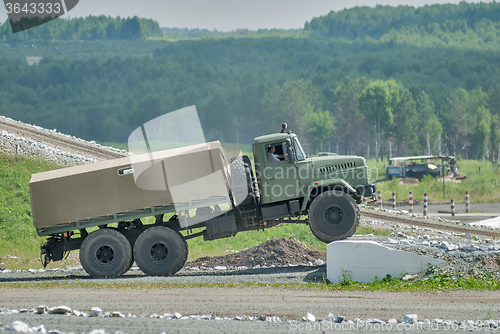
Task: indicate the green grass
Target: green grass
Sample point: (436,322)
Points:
(17,234)
(434,283)
(480,184)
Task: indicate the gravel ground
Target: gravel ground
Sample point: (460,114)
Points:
(208,310)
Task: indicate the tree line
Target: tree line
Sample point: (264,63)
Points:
(106,100)
(361,22)
(88,28)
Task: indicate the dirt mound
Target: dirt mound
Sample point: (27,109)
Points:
(277,252)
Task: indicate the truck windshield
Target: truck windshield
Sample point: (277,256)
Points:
(299,152)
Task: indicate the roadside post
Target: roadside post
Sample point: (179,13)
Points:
(379,199)
(452,208)
(410,202)
(466,202)
(394,201)
(425,205)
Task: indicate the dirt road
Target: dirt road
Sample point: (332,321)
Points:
(239,302)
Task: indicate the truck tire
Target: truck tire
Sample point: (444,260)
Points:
(254,186)
(106,253)
(333,215)
(160,251)
(241,180)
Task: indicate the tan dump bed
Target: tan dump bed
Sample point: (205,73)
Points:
(162,178)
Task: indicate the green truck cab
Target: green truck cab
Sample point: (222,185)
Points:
(326,188)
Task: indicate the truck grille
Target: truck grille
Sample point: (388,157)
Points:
(336,167)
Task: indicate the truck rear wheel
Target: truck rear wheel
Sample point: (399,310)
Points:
(106,253)
(160,251)
(333,215)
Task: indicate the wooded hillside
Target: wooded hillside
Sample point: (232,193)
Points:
(389,80)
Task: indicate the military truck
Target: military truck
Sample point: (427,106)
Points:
(102,208)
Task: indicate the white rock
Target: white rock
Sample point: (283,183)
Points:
(310,317)
(62,309)
(95,311)
(405,242)
(470,324)
(78,313)
(117,314)
(41,309)
(19,327)
(38,329)
(409,319)
(177,315)
(98,331)
(330,317)
(392,321)
(220,268)
(320,262)
(392,241)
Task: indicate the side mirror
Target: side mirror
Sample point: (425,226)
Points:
(291,157)
(288,143)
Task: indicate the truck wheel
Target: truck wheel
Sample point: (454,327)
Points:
(241,181)
(160,251)
(333,215)
(106,253)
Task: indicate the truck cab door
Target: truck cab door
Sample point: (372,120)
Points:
(278,179)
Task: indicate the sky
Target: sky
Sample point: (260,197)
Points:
(228,15)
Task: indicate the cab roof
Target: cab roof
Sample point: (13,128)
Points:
(273,137)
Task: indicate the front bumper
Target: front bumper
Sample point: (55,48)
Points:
(368,190)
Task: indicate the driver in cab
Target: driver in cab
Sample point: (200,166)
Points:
(271,157)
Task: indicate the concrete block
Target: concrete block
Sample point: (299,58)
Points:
(492,222)
(366,259)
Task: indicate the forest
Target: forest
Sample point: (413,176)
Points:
(376,82)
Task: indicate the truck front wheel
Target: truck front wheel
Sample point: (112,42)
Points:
(333,215)
(160,251)
(106,253)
